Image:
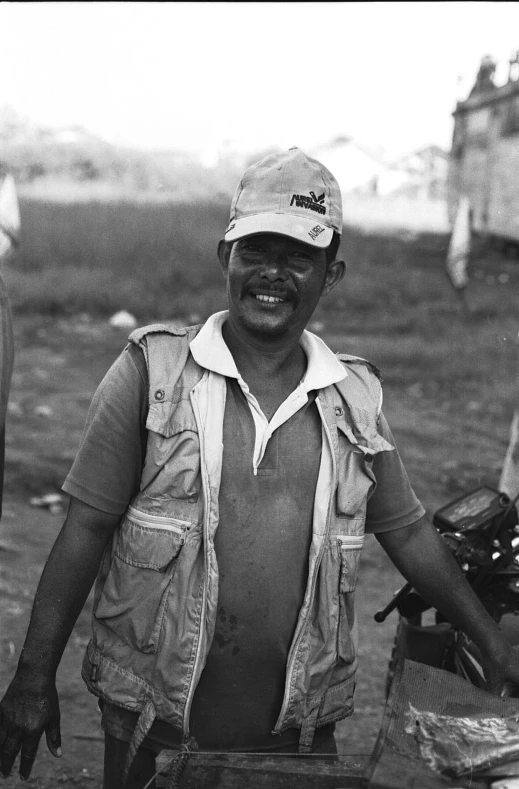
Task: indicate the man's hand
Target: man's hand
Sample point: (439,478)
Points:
(502,671)
(29,708)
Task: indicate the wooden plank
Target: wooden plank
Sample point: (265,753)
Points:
(240,771)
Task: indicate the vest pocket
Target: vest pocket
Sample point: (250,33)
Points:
(172,467)
(350,547)
(356,478)
(338,699)
(134,596)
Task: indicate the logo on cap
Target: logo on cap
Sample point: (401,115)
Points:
(313,203)
(316,231)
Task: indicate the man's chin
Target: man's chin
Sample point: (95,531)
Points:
(273,325)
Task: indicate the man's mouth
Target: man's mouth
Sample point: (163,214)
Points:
(269,299)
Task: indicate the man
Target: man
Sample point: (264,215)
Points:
(9,239)
(509,479)
(221,492)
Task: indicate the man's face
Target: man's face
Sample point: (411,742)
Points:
(275,282)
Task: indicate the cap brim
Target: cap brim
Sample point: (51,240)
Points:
(308,231)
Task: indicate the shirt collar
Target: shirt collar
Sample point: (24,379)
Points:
(210,351)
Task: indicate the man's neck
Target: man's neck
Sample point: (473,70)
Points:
(271,370)
(252,353)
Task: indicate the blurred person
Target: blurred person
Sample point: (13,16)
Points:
(509,479)
(225,479)
(9,238)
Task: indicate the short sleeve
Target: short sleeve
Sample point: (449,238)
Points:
(394,504)
(107,469)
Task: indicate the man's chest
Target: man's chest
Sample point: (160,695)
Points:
(290,451)
(264,532)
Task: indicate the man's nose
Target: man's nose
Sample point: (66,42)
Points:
(275,265)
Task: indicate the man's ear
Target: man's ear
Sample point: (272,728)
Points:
(334,273)
(224,251)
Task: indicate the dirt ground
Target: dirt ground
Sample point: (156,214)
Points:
(58,365)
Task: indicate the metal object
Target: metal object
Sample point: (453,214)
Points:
(381,616)
(482,531)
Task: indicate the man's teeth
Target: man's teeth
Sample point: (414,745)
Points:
(270,299)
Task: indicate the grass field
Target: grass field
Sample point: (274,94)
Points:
(449,383)
(156,257)
(150,258)
(158,260)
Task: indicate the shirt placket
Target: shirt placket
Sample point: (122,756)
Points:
(263,428)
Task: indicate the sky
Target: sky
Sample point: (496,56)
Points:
(198,75)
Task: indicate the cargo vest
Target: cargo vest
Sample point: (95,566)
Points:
(156,593)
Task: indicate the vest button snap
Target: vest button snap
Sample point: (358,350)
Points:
(338,410)
(160,394)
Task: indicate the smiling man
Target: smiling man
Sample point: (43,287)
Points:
(225,480)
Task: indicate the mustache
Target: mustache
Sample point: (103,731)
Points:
(261,289)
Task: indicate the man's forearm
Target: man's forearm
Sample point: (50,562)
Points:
(424,559)
(64,586)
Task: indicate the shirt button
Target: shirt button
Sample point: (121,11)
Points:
(338,410)
(159,394)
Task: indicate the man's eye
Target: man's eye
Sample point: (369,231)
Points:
(300,255)
(252,248)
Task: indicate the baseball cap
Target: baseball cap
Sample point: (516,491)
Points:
(290,194)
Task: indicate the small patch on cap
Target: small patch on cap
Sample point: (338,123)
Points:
(316,231)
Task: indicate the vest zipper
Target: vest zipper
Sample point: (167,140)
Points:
(205,487)
(351,541)
(157,521)
(295,646)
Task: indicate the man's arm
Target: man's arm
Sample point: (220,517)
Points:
(30,705)
(424,559)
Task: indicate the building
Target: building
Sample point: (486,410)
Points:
(366,172)
(484,159)
(358,168)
